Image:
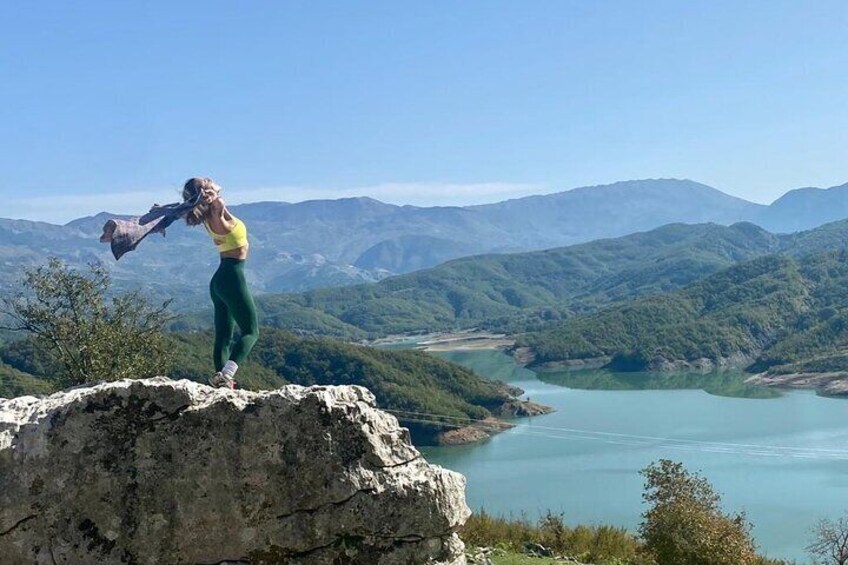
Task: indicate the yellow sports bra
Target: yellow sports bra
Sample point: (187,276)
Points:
(235,238)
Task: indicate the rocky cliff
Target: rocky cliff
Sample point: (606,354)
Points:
(157,471)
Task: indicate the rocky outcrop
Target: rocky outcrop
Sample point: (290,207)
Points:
(157,471)
(517,408)
(826,384)
(660,364)
(478,431)
(626,363)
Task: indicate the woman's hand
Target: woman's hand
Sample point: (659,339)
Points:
(209,195)
(219,209)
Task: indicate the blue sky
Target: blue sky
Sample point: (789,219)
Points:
(111,105)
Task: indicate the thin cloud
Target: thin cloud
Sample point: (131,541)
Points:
(64,208)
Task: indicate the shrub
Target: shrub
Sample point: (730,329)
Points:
(595,544)
(685,525)
(829,545)
(87,336)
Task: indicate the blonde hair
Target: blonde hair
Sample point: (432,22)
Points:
(191,189)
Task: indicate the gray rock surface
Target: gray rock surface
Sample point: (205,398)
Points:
(833,383)
(162,472)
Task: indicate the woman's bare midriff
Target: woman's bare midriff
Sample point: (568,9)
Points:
(240,253)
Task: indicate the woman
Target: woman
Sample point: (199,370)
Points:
(230,295)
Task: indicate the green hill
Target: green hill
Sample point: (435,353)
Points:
(18,383)
(400,380)
(772,313)
(522,292)
(513,292)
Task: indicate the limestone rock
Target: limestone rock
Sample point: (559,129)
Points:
(831,383)
(162,472)
(480,555)
(516,408)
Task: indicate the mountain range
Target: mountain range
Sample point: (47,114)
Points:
(520,292)
(325,243)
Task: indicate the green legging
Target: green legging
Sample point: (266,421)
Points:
(233,305)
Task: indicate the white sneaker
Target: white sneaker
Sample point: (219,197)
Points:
(220,380)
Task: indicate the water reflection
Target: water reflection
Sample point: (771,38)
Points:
(720,383)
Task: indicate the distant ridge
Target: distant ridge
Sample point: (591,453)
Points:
(521,292)
(588,213)
(509,292)
(806,208)
(320,243)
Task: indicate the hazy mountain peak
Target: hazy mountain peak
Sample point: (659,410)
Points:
(839,191)
(805,208)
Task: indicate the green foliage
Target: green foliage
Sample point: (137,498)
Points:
(685,525)
(87,337)
(782,312)
(29,355)
(400,380)
(524,290)
(192,360)
(512,558)
(485,530)
(783,308)
(17,383)
(594,544)
(411,381)
(284,311)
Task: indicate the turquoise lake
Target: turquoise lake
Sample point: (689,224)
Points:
(783,459)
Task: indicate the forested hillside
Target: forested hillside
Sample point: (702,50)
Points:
(401,380)
(514,292)
(775,312)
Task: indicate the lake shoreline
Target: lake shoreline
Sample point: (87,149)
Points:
(830,384)
(472,340)
(585,458)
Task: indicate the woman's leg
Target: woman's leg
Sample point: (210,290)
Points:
(242,308)
(224,323)
(244,311)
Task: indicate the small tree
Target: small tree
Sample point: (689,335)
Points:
(830,542)
(89,337)
(685,525)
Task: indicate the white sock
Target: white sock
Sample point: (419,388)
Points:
(230,368)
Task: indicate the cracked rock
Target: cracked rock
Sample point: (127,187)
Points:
(159,471)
